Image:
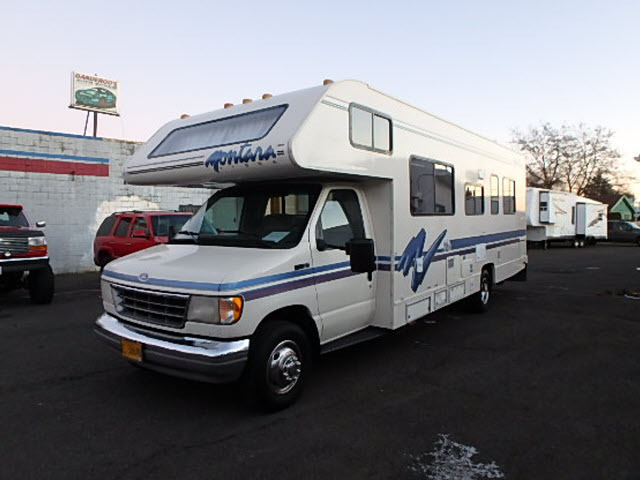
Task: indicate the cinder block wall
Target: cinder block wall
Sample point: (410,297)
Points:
(73,182)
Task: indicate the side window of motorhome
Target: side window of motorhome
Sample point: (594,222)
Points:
(431,188)
(369,130)
(340,219)
(495,195)
(508,196)
(474,200)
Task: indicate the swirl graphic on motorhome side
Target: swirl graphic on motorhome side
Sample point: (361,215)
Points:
(415,258)
(244,155)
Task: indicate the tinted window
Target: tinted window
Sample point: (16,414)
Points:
(12,217)
(341,219)
(225,131)
(473,200)
(163,224)
(495,195)
(508,196)
(431,188)
(106,226)
(123,227)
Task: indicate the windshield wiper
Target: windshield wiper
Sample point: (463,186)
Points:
(193,235)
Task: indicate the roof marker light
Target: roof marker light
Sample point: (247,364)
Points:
(266,95)
(228,105)
(246,100)
(327,81)
(184,115)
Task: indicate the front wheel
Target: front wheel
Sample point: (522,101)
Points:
(41,285)
(279,363)
(479,302)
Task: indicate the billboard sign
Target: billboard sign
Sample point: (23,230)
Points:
(95,94)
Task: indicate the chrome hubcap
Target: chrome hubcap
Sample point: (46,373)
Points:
(484,292)
(284,367)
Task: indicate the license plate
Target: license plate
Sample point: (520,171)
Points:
(131,350)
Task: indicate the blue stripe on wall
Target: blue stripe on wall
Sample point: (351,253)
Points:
(53,155)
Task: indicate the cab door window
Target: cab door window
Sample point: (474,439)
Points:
(340,220)
(140,224)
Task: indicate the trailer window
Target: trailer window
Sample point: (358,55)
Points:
(473,200)
(369,130)
(431,188)
(495,195)
(508,196)
(246,127)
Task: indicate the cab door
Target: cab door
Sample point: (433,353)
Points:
(121,236)
(346,300)
(140,236)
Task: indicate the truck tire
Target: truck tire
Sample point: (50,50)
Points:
(41,285)
(479,302)
(279,364)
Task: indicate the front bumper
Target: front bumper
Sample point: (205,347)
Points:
(215,361)
(23,264)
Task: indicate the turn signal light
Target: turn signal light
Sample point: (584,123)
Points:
(230,309)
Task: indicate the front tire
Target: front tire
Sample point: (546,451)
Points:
(41,285)
(279,364)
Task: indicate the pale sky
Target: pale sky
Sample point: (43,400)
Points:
(488,66)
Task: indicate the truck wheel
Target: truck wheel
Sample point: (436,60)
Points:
(41,285)
(575,243)
(279,363)
(479,302)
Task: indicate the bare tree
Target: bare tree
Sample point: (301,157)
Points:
(546,156)
(571,157)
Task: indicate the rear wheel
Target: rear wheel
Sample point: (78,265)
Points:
(279,363)
(479,302)
(41,285)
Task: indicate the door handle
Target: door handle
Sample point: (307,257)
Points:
(301,266)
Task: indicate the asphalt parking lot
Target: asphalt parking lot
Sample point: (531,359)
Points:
(546,385)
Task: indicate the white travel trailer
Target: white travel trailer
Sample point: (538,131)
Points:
(346,213)
(555,216)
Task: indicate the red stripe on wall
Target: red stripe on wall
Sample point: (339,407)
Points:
(17,164)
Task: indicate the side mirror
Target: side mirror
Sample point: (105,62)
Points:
(140,233)
(362,255)
(41,224)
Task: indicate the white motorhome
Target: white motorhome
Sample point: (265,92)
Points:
(555,216)
(346,213)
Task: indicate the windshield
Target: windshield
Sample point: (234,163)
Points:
(164,225)
(633,226)
(12,217)
(272,216)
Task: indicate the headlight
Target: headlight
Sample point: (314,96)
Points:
(220,311)
(37,241)
(38,244)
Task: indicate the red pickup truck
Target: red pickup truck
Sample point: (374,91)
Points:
(24,258)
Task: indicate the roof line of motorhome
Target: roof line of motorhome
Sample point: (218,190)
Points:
(439,118)
(429,134)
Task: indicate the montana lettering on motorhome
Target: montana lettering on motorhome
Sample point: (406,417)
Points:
(222,157)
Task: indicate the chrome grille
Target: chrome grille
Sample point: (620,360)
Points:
(169,309)
(15,246)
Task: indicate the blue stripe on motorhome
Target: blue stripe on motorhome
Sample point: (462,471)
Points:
(226,286)
(296,284)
